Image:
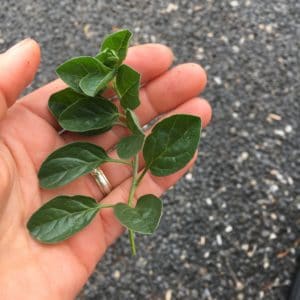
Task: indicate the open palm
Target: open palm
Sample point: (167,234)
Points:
(28,133)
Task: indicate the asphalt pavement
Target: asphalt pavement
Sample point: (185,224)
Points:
(231,227)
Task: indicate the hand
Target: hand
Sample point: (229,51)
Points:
(28,132)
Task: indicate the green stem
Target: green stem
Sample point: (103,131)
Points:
(132,243)
(135,166)
(120,161)
(141,176)
(106,205)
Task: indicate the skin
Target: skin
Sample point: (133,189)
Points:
(28,133)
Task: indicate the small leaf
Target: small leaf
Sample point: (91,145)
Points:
(73,70)
(108,57)
(62,217)
(172,144)
(61,100)
(70,162)
(130,145)
(133,122)
(92,83)
(89,114)
(95,131)
(144,218)
(127,85)
(117,41)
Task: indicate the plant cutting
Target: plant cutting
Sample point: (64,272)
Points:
(83,108)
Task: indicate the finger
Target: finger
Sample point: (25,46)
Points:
(18,66)
(159,96)
(149,60)
(117,173)
(149,185)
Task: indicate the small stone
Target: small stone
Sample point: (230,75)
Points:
(239,285)
(243,156)
(210,34)
(288,129)
(219,239)
(234,3)
(273,236)
(235,49)
(206,254)
(228,229)
(208,201)
(202,241)
(117,274)
(171,7)
(273,117)
(189,176)
(245,247)
(269,28)
(279,132)
(218,80)
(168,295)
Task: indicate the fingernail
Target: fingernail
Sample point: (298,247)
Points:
(19,44)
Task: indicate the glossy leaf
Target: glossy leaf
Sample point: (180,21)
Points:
(108,57)
(93,83)
(128,85)
(61,100)
(62,217)
(89,114)
(70,162)
(73,70)
(130,145)
(119,42)
(133,122)
(172,144)
(144,218)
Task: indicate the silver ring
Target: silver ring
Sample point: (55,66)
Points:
(102,181)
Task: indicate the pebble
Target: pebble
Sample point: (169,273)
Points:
(234,3)
(218,80)
(189,176)
(206,254)
(171,7)
(235,49)
(219,239)
(168,295)
(279,132)
(242,157)
(117,274)
(228,229)
(288,129)
(208,201)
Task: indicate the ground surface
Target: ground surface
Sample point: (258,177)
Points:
(231,227)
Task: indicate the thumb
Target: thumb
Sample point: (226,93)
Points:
(18,65)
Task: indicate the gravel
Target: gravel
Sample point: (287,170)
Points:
(231,226)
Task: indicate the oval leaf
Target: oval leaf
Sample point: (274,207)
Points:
(117,41)
(89,114)
(128,85)
(130,145)
(144,218)
(62,217)
(172,144)
(69,162)
(73,70)
(92,83)
(61,100)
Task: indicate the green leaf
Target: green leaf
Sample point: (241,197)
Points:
(92,83)
(130,145)
(144,218)
(133,122)
(108,57)
(74,69)
(62,217)
(70,162)
(89,114)
(95,132)
(128,85)
(61,100)
(172,144)
(119,42)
